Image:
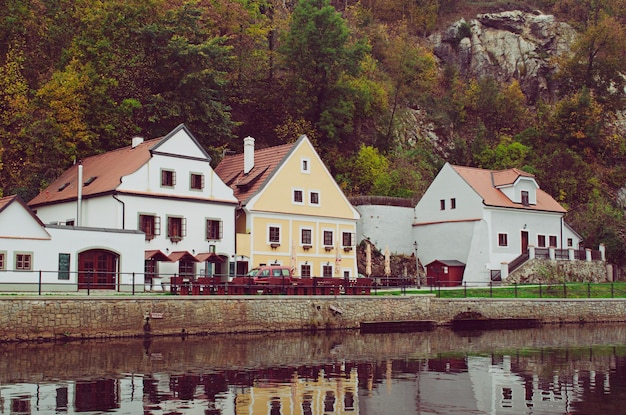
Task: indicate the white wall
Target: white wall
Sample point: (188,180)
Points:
(45,254)
(386,226)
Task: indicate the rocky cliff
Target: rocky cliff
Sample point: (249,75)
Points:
(507,46)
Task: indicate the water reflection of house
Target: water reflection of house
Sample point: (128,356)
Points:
(317,393)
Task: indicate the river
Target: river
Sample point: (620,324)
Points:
(568,369)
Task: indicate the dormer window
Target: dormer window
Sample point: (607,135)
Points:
(525,199)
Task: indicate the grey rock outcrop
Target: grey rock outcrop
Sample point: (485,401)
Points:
(506,46)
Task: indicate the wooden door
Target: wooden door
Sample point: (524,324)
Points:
(524,242)
(97,269)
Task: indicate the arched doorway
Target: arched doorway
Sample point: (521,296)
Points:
(97,269)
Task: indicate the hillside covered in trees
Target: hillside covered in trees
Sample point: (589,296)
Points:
(360,78)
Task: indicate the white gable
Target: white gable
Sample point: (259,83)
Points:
(181,142)
(17,222)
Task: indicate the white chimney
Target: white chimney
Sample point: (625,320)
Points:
(248,154)
(136,141)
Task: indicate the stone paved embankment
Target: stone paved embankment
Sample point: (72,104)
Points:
(26,318)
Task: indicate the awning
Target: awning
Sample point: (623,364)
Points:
(156,255)
(209,257)
(182,255)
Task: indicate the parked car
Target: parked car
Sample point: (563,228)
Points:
(261,274)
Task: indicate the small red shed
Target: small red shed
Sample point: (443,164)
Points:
(445,272)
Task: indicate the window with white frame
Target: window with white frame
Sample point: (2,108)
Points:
(305,165)
(453,203)
(328,238)
(570,242)
(306,236)
(305,270)
(525,198)
(314,198)
(273,235)
(442,204)
(347,240)
(298,196)
(3,256)
(327,271)
(23,261)
(553,241)
(503,239)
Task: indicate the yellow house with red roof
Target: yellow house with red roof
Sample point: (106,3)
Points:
(483,218)
(291,211)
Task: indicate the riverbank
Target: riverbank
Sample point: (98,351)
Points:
(47,318)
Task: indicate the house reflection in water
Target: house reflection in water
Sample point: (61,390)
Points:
(542,381)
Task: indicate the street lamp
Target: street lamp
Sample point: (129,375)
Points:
(417,263)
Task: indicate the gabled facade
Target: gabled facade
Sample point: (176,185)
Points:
(164,187)
(292,212)
(34,255)
(483,218)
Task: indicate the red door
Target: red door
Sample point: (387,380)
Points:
(524,242)
(97,269)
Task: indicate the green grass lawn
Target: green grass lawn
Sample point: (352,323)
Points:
(569,290)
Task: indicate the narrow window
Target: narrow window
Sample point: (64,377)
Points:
(327,271)
(2,260)
(305,166)
(525,201)
(570,242)
(347,239)
(274,234)
(541,241)
(213,229)
(315,198)
(197,181)
(168,178)
(175,228)
(23,262)
(328,238)
(297,196)
(503,239)
(453,203)
(305,270)
(150,225)
(442,204)
(553,241)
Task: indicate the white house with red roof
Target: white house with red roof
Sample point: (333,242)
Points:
(164,187)
(35,256)
(484,218)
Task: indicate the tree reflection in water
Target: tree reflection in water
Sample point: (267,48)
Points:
(549,370)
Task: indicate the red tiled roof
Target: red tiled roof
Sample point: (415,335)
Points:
(210,257)
(485,183)
(266,161)
(157,255)
(107,168)
(178,255)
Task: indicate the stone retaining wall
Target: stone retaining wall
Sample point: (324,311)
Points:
(37,318)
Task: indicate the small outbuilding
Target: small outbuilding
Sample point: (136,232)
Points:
(445,273)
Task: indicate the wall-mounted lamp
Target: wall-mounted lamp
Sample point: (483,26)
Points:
(193,251)
(524,226)
(306,262)
(328,264)
(275,261)
(167,250)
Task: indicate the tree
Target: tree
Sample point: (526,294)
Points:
(320,56)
